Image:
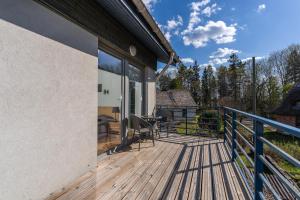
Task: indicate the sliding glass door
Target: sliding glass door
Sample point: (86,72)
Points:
(135,90)
(120,91)
(109,101)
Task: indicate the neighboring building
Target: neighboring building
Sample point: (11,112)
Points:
(180,102)
(54,55)
(289,110)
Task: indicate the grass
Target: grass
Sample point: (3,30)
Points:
(192,128)
(287,143)
(290,145)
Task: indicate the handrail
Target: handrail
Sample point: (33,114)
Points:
(244,126)
(284,127)
(259,162)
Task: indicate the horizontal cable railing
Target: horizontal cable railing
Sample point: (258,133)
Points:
(238,136)
(188,120)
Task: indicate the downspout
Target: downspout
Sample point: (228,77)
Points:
(165,67)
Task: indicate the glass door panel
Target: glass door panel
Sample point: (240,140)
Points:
(135,91)
(133,95)
(109,101)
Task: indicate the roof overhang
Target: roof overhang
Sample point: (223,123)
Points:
(142,25)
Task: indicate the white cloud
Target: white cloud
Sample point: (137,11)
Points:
(250,58)
(217,31)
(149,4)
(168,36)
(217,61)
(195,12)
(221,56)
(174,23)
(196,5)
(261,8)
(187,61)
(209,10)
(172,27)
(223,52)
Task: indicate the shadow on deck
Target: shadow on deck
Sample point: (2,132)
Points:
(177,167)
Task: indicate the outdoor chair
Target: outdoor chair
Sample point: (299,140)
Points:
(142,128)
(167,120)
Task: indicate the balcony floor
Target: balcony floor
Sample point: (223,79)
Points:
(177,167)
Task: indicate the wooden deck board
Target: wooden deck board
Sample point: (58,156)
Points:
(178,167)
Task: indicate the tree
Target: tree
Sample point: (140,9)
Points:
(273,93)
(222,81)
(164,82)
(278,60)
(195,83)
(205,87)
(209,86)
(235,74)
(293,64)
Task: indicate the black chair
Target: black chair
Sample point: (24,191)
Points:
(141,128)
(167,120)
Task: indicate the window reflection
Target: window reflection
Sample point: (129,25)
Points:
(109,101)
(109,63)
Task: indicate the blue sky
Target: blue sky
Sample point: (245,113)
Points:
(209,30)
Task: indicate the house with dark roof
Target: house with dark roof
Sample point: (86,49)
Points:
(288,111)
(179,101)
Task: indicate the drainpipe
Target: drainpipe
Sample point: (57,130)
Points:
(165,67)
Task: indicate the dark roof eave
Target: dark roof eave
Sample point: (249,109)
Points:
(148,17)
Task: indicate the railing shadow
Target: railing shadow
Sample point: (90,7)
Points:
(194,146)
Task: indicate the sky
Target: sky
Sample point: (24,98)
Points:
(210,30)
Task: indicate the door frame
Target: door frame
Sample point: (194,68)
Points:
(124,104)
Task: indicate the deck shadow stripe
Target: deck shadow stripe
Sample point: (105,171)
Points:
(171,178)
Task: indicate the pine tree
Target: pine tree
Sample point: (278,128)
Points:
(236,72)
(195,83)
(222,81)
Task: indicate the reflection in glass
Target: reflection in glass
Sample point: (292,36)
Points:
(135,90)
(109,102)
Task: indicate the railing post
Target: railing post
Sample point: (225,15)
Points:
(233,156)
(186,113)
(259,166)
(224,119)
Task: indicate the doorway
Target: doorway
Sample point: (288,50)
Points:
(110,76)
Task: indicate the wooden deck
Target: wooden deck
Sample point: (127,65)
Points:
(178,167)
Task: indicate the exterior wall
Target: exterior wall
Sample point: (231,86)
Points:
(290,120)
(150,88)
(178,114)
(48,89)
(111,33)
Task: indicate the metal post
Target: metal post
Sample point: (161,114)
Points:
(218,120)
(224,118)
(259,166)
(253,86)
(186,131)
(233,156)
(253,92)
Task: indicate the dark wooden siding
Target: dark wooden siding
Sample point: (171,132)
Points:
(91,16)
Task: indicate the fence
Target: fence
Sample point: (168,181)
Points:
(257,182)
(189,120)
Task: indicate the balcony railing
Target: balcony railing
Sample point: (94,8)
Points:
(256,180)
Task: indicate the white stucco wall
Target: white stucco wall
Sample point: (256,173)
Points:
(151,90)
(48,101)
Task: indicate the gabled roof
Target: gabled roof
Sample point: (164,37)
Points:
(180,98)
(290,105)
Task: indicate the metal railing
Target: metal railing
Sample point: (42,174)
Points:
(188,120)
(256,180)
